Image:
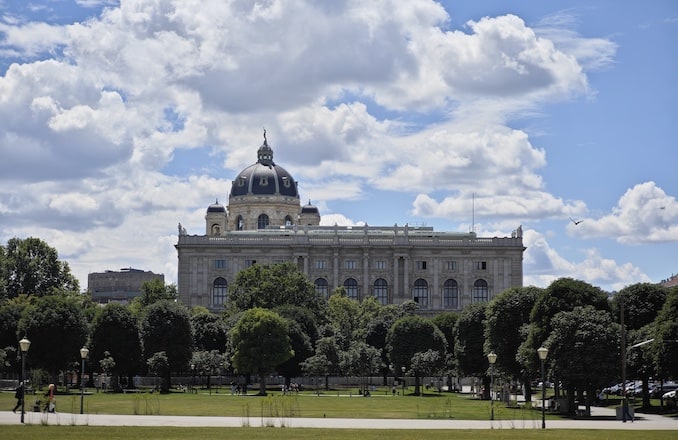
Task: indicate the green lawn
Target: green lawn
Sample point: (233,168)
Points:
(344,403)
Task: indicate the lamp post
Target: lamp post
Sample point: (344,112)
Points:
(24,345)
(491,358)
(83,355)
(404,382)
(192,377)
(543,352)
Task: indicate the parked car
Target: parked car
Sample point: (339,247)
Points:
(656,391)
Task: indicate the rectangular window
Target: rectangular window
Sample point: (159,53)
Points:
(349,264)
(451,265)
(220,264)
(481,265)
(250,263)
(320,264)
(380,264)
(421,265)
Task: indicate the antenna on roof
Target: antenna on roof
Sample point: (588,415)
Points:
(473,212)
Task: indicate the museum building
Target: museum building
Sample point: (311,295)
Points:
(265,223)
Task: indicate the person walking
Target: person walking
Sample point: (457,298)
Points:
(19,396)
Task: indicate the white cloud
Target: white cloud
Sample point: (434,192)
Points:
(543,264)
(91,113)
(644,214)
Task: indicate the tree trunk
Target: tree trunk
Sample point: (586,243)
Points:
(262,384)
(527,389)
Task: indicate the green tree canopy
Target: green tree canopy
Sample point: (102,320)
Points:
(411,335)
(260,343)
(506,328)
(166,327)
(584,350)
(272,286)
(209,331)
(57,329)
(151,292)
(470,340)
(562,295)
(115,331)
(666,336)
(642,303)
(30,266)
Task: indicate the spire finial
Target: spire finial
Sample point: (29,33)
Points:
(265,140)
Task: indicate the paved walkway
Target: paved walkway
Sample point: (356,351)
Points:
(601,419)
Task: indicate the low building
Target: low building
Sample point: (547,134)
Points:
(119,286)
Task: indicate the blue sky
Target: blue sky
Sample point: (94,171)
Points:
(119,119)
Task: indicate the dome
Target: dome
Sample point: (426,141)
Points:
(264,177)
(216,207)
(309,209)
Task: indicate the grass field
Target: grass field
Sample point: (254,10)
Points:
(333,404)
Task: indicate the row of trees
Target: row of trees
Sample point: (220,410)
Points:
(275,322)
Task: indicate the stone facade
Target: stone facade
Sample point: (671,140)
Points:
(119,286)
(441,271)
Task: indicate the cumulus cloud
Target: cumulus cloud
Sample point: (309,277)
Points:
(91,113)
(543,264)
(644,214)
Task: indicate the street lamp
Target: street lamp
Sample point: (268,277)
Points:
(24,345)
(491,358)
(543,352)
(83,355)
(192,377)
(404,382)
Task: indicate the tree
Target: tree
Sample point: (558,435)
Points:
(57,329)
(640,360)
(446,322)
(666,336)
(260,343)
(469,342)
(272,286)
(208,363)
(10,314)
(316,366)
(209,331)
(411,335)
(360,360)
(31,267)
(562,295)
(302,348)
(506,327)
(115,331)
(166,327)
(343,315)
(583,351)
(151,292)
(641,302)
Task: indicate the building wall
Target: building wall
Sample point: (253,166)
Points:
(398,255)
(120,286)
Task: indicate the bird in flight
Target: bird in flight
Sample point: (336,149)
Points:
(576,222)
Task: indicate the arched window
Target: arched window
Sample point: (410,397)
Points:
(420,294)
(450,294)
(239,223)
(480,291)
(321,287)
(351,286)
(219,290)
(288,220)
(262,221)
(380,291)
